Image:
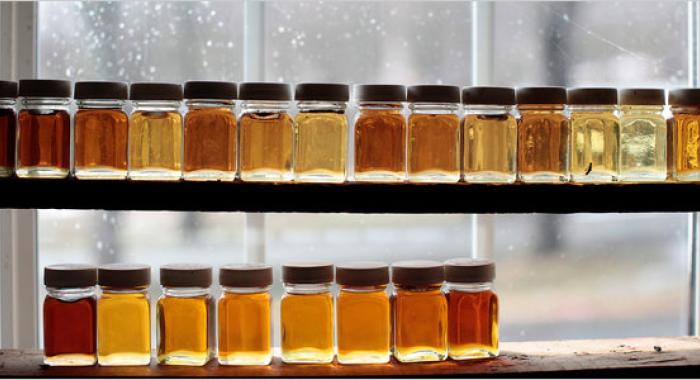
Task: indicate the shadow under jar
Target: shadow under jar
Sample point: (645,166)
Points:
(266,132)
(43,129)
(306,313)
(185,315)
(8,128)
(245,336)
(420,311)
(380,133)
(642,135)
(685,129)
(472,309)
(101,130)
(490,135)
(210,131)
(321,132)
(69,315)
(543,135)
(595,135)
(433,134)
(155,132)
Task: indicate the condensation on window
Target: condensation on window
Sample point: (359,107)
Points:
(140,40)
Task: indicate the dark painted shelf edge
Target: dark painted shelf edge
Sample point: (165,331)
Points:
(348,197)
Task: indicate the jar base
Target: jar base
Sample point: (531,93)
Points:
(124,359)
(643,176)
(70,360)
(544,177)
(319,176)
(99,172)
(690,176)
(307,357)
(209,175)
(364,358)
(420,356)
(266,175)
(6,171)
(380,176)
(434,177)
(245,359)
(474,353)
(155,175)
(184,358)
(489,177)
(49,172)
(594,177)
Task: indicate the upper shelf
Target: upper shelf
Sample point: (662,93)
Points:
(347,198)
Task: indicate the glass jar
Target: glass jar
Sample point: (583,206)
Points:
(420,311)
(101,129)
(380,133)
(155,132)
(211,140)
(245,336)
(306,313)
(8,122)
(43,129)
(433,134)
(595,135)
(124,315)
(684,163)
(543,135)
(490,135)
(185,314)
(321,132)
(266,132)
(69,315)
(363,313)
(642,135)
(472,309)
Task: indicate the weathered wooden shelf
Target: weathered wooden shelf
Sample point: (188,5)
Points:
(350,197)
(638,357)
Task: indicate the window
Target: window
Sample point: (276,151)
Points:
(559,276)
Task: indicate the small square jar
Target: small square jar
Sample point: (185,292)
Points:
(642,135)
(685,131)
(8,127)
(43,129)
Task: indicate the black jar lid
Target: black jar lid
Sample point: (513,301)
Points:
(593,96)
(481,95)
(124,275)
(312,272)
(689,97)
(211,90)
(101,90)
(466,270)
(265,91)
(541,95)
(362,273)
(417,273)
(245,275)
(8,89)
(44,88)
(642,97)
(380,93)
(70,276)
(433,94)
(185,275)
(155,91)
(330,92)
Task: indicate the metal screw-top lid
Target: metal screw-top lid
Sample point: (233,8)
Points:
(265,91)
(45,88)
(331,92)
(380,93)
(211,90)
(362,273)
(155,91)
(101,90)
(185,275)
(433,94)
(245,275)
(592,96)
(124,275)
(70,276)
(417,272)
(541,95)
(307,272)
(8,89)
(689,97)
(642,97)
(467,270)
(498,96)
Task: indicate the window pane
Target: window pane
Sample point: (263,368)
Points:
(364,42)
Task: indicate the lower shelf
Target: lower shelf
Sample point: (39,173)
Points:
(662,357)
